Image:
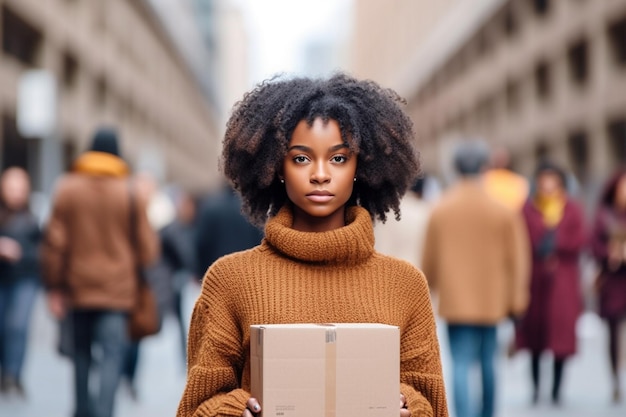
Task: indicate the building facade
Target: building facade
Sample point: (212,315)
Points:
(114,64)
(544,78)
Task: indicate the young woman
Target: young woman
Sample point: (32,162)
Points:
(19,275)
(315,161)
(556,229)
(608,244)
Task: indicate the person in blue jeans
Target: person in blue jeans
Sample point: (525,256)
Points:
(106,329)
(19,276)
(477,260)
(471,344)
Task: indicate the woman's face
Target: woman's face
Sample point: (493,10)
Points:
(549,184)
(620,193)
(15,188)
(319,171)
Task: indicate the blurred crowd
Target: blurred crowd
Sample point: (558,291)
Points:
(493,245)
(107,226)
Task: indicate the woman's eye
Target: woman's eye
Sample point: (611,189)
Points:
(339,159)
(300,159)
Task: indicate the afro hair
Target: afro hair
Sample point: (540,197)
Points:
(372,122)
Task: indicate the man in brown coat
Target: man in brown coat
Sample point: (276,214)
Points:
(476,258)
(89,264)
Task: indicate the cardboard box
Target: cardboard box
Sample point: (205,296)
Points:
(326,370)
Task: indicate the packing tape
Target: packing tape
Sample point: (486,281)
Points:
(331,373)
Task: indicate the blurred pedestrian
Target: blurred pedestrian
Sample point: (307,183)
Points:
(502,183)
(90,266)
(222,229)
(179,256)
(476,259)
(556,227)
(20,237)
(608,244)
(315,161)
(405,238)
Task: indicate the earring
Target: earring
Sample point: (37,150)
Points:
(282,180)
(354,179)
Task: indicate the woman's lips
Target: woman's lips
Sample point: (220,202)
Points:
(320,196)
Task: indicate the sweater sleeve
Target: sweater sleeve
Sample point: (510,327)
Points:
(215,355)
(421,376)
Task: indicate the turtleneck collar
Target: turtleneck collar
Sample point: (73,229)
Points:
(350,244)
(101,164)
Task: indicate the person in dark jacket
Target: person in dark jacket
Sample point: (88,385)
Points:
(178,255)
(608,245)
(222,229)
(557,235)
(19,275)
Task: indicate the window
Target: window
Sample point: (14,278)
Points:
(617,40)
(509,22)
(486,109)
(577,57)
(542,80)
(617,138)
(542,7)
(512,94)
(101,92)
(14,149)
(578,147)
(542,150)
(19,39)
(69,70)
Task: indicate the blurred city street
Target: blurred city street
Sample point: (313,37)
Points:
(538,85)
(48,378)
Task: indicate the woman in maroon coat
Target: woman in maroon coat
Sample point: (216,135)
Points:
(608,244)
(556,229)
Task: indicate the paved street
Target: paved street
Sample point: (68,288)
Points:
(48,379)
(586,390)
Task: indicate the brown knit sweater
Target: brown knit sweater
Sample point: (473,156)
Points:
(300,277)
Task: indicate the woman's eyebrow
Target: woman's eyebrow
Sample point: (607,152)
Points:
(307,149)
(337,147)
(299,148)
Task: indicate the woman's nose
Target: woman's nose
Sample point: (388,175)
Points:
(320,173)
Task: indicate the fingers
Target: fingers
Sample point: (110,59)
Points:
(404,412)
(247,413)
(253,407)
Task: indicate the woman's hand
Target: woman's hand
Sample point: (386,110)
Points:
(404,412)
(253,408)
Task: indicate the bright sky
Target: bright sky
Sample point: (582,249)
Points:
(279,29)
